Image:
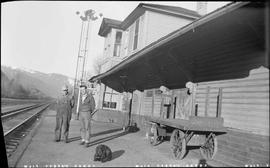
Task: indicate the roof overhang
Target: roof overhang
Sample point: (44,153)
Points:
(220,45)
(107,24)
(171,12)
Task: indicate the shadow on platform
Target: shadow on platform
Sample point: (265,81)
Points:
(96,134)
(98,141)
(127,130)
(106,132)
(117,154)
(132,129)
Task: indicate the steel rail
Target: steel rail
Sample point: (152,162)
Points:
(20,110)
(26,120)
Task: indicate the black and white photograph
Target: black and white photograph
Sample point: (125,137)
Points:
(134,84)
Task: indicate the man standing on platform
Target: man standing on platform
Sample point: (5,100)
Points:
(86,107)
(64,105)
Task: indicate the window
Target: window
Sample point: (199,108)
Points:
(158,92)
(110,98)
(133,37)
(149,93)
(136,34)
(117,44)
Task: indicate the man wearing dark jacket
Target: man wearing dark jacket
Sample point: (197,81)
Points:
(64,105)
(86,107)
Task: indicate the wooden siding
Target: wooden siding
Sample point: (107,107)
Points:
(245,102)
(124,44)
(150,106)
(107,41)
(239,149)
(141,38)
(146,105)
(136,102)
(157,105)
(159,25)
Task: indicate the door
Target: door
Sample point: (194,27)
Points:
(166,107)
(182,104)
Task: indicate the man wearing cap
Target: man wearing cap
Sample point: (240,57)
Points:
(86,107)
(64,105)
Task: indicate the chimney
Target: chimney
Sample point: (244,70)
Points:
(202,7)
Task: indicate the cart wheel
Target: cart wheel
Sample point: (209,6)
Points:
(209,149)
(154,139)
(178,143)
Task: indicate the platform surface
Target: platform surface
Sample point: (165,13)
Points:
(130,149)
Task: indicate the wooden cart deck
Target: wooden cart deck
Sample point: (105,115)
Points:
(205,124)
(199,131)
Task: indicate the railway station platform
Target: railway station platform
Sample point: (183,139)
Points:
(129,149)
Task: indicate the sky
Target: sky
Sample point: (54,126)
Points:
(44,35)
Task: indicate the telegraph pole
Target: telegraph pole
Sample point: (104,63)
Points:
(89,15)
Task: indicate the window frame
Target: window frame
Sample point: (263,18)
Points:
(136,34)
(110,92)
(116,53)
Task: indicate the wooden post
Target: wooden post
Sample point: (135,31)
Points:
(219,102)
(161,105)
(130,108)
(174,109)
(173,104)
(103,97)
(153,102)
(193,108)
(196,110)
(207,101)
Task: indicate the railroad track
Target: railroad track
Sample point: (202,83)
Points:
(13,112)
(14,102)
(17,124)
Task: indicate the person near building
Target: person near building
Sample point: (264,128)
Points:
(86,108)
(64,104)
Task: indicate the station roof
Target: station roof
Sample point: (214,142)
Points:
(217,46)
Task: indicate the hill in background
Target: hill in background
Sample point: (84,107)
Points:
(24,83)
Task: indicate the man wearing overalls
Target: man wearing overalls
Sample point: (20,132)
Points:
(64,105)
